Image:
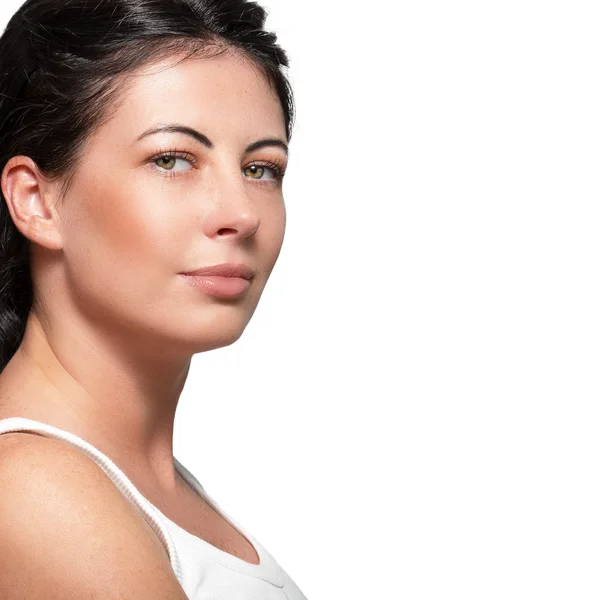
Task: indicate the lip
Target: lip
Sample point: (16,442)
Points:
(227,280)
(224,270)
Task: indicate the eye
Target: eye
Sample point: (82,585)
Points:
(167,161)
(257,171)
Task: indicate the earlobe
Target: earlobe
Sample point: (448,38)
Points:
(30,205)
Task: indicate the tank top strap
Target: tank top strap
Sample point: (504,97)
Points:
(123,483)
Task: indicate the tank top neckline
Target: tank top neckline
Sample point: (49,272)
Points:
(267,568)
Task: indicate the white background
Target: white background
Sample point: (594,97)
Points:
(412,413)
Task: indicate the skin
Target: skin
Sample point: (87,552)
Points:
(109,343)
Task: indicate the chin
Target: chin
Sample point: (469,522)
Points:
(183,348)
(198,329)
(202,338)
(218,342)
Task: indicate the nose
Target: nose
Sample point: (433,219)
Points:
(232,215)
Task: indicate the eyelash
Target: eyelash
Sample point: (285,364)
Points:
(277,167)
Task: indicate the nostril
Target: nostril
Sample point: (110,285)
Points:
(226,230)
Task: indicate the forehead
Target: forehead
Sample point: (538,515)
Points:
(224,94)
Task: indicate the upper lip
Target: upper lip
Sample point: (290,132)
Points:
(225,270)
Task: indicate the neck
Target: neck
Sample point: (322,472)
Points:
(92,387)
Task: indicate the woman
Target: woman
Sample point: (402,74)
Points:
(141,142)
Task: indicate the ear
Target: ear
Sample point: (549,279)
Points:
(31,202)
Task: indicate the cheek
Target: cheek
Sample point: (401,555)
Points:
(273,233)
(125,217)
(117,232)
(119,254)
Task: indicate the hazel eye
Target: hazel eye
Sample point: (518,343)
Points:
(257,171)
(166,162)
(166,159)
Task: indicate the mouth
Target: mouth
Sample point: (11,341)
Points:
(226,280)
(233,270)
(218,286)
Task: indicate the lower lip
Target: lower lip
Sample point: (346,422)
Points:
(219,287)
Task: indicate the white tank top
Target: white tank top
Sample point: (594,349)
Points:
(203,570)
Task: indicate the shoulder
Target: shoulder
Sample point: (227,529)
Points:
(47,471)
(64,523)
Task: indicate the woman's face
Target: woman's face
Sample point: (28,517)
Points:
(135,219)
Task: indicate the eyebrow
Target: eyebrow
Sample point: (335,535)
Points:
(200,137)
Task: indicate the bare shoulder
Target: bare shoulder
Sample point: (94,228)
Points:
(66,531)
